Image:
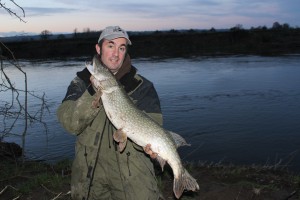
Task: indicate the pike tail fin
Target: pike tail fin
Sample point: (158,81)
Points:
(184,182)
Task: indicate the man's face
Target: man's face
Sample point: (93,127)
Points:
(113,53)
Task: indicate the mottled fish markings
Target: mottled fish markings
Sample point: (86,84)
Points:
(140,128)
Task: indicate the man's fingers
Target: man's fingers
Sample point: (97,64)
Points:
(153,155)
(147,148)
(148,151)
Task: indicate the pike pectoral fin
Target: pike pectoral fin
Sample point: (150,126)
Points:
(122,146)
(161,161)
(96,101)
(121,138)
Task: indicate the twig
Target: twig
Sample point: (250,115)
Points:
(56,196)
(13,13)
(10,52)
(48,189)
(62,195)
(291,195)
(238,195)
(10,113)
(2,191)
(18,7)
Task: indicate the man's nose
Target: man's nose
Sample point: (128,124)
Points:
(116,52)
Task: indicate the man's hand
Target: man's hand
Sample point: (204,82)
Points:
(148,151)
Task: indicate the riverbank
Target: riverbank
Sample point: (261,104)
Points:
(259,41)
(38,180)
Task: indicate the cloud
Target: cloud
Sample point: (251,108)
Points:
(42,11)
(63,15)
(152,9)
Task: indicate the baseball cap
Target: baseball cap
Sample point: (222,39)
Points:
(113,32)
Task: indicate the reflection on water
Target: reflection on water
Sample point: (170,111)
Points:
(242,110)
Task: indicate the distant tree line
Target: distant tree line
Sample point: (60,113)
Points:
(279,39)
(46,34)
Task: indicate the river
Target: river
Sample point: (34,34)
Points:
(237,109)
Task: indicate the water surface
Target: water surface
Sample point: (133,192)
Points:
(240,109)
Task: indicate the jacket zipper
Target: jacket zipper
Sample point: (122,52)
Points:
(128,154)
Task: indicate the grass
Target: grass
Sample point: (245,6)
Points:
(37,180)
(22,180)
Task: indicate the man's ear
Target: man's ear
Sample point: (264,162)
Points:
(98,49)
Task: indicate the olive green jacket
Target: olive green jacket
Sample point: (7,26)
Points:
(99,171)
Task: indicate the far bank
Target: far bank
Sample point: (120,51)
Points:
(269,42)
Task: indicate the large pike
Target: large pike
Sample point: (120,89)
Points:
(140,128)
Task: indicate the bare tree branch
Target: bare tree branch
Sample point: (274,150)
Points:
(12,13)
(14,114)
(18,7)
(14,109)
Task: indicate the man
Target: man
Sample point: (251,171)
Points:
(99,170)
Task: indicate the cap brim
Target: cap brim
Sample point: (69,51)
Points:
(114,36)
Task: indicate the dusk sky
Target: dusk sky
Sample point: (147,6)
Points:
(64,16)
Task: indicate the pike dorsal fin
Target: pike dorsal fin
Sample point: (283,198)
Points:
(179,141)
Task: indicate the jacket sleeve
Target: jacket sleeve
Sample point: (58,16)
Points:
(76,111)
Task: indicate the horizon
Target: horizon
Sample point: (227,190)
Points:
(22,34)
(65,16)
